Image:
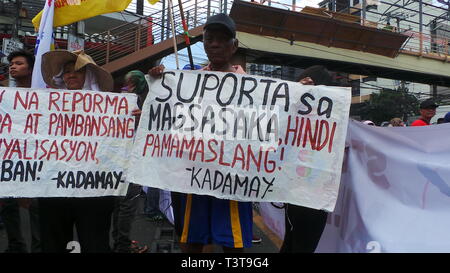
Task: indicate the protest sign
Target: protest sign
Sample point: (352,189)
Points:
(242,137)
(62,143)
(395,192)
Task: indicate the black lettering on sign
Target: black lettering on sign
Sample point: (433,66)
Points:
(166,87)
(328,109)
(244,92)
(161,119)
(23,171)
(205,85)
(219,91)
(306,103)
(184,89)
(229,183)
(282,88)
(91,180)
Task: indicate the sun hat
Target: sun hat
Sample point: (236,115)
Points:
(54,61)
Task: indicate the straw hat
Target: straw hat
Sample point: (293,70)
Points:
(53,62)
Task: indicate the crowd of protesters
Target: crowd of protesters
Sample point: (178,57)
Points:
(200,220)
(427,110)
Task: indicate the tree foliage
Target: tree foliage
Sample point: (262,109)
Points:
(388,104)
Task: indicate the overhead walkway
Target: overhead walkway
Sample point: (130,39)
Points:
(283,37)
(140,43)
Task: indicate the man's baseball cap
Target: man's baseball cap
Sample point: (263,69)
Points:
(428,104)
(223,20)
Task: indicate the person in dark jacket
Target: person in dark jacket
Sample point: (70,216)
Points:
(304,226)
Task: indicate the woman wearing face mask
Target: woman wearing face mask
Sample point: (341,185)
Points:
(91,216)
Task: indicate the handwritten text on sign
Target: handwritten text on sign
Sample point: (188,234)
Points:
(242,137)
(64,143)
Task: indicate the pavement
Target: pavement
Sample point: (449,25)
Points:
(160,237)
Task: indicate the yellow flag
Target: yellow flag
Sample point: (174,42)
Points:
(153,1)
(70,11)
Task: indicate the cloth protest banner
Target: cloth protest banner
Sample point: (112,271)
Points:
(242,137)
(44,43)
(395,192)
(63,143)
(71,11)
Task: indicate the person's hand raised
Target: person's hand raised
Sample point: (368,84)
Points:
(307,81)
(136,112)
(137,115)
(156,72)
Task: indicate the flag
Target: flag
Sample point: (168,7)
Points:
(44,43)
(153,1)
(68,12)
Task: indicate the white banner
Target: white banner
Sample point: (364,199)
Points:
(242,137)
(64,143)
(394,193)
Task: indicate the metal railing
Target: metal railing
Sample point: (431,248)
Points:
(419,43)
(425,45)
(154,28)
(150,29)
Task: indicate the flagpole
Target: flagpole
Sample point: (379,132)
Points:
(44,43)
(186,36)
(174,35)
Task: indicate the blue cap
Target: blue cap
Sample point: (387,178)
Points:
(188,67)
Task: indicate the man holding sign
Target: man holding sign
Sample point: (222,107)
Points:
(238,137)
(203,219)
